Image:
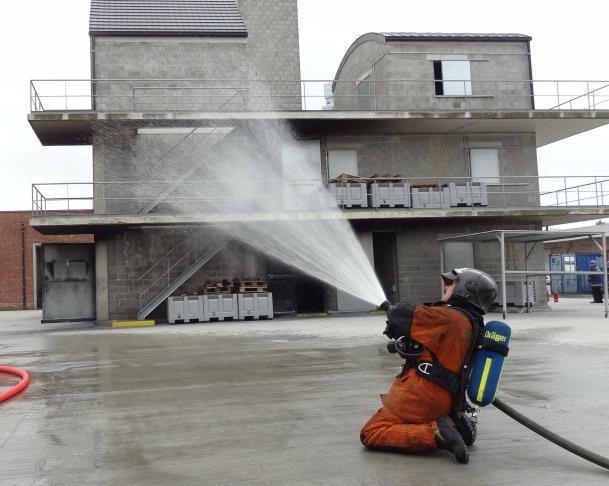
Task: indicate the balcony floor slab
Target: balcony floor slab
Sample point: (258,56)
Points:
(77,127)
(86,224)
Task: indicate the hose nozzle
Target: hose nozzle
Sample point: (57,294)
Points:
(385,306)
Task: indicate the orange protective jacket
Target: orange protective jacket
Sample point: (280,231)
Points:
(446,332)
(407,421)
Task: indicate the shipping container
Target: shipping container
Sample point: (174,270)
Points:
(582,262)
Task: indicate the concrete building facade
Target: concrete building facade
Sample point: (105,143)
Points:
(171,99)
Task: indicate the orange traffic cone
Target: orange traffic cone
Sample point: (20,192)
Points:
(555,296)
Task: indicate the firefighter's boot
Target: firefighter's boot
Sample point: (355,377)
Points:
(467,427)
(448,438)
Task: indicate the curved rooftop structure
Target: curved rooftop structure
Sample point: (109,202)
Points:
(385,37)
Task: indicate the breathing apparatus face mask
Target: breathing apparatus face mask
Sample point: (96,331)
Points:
(406,348)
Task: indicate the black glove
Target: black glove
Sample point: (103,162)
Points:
(389,330)
(399,320)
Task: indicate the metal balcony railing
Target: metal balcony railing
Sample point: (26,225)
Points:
(147,95)
(216,197)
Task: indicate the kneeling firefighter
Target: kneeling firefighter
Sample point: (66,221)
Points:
(426,407)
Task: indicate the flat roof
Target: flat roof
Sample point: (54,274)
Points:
(455,36)
(523,236)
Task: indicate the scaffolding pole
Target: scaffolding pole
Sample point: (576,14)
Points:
(603,249)
(503,283)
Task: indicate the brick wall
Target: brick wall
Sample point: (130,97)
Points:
(12,256)
(574,246)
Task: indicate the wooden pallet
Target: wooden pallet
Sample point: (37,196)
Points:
(218,290)
(244,289)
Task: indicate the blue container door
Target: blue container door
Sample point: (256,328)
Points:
(582,261)
(569,281)
(556,265)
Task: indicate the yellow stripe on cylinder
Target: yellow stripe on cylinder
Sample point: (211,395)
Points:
(485,372)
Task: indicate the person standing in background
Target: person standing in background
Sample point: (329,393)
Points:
(596,282)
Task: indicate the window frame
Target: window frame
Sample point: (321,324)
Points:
(441,83)
(490,179)
(328,161)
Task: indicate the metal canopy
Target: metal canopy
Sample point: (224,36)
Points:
(526,237)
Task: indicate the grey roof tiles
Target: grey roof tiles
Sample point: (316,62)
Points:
(166,18)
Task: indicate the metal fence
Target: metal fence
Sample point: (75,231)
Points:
(196,197)
(144,95)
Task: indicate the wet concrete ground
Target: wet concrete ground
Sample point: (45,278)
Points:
(281,403)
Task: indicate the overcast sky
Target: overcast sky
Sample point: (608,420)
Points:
(43,39)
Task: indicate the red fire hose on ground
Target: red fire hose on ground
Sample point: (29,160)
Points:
(19,387)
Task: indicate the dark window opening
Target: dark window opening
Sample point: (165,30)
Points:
(437,75)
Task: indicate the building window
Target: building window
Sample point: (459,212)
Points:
(452,78)
(484,165)
(342,162)
(365,92)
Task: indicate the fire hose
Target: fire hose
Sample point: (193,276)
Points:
(19,387)
(551,436)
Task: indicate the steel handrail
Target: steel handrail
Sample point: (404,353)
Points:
(303,94)
(580,96)
(167,272)
(197,181)
(267,80)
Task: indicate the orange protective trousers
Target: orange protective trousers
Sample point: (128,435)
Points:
(407,420)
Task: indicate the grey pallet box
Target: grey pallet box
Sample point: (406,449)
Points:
(430,197)
(188,308)
(350,194)
(220,307)
(256,305)
(468,194)
(390,194)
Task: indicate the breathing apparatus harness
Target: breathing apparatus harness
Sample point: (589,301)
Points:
(454,383)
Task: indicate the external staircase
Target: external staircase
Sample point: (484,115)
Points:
(173,269)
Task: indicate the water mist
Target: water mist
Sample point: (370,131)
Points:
(267,192)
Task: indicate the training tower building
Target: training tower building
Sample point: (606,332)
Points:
(419,136)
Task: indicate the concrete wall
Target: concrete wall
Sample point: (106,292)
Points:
(504,62)
(232,73)
(418,253)
(150,164)
(273,53)
(132,253)
(346,302)
(434,157)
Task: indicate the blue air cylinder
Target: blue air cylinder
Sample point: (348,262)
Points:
(486,370)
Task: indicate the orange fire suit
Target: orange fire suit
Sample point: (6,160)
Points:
(407,420)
